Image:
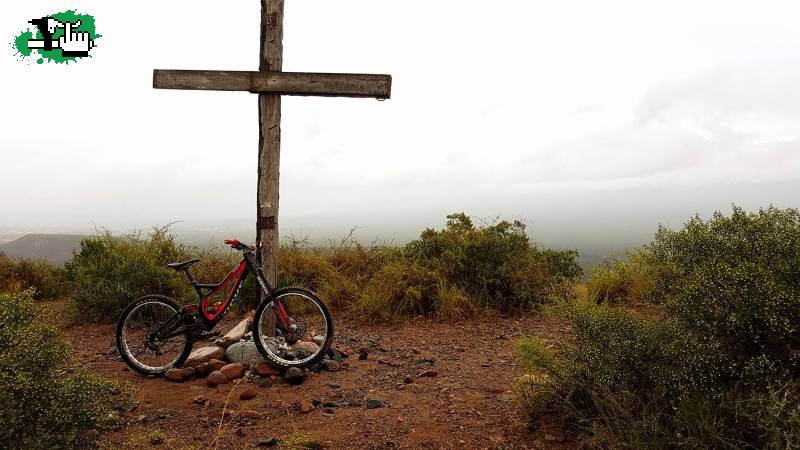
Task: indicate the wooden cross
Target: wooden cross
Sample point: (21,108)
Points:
(270,83)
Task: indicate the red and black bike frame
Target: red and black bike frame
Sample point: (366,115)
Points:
(211,315)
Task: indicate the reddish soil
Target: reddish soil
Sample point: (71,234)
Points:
(467,404)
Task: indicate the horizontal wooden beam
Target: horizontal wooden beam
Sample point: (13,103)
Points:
(278,83)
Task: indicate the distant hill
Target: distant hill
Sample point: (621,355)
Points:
(55,248)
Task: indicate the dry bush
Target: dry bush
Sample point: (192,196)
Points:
(312,269)
(398,290)
(444,274)
(623,281)
(17,275)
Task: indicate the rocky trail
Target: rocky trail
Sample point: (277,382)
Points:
(416,385)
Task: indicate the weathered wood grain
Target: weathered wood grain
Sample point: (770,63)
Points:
(269,147)
(277,83)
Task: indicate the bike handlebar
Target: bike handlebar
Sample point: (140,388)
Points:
(237,245)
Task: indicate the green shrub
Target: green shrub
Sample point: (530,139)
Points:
(717,367)
(737,279)
(445,274)
(42,406)
(497,264)
(634,382)
(628,281)
(399,289)
(19,275)
(563,264)
(109,272)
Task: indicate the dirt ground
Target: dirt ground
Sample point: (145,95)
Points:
(467,404)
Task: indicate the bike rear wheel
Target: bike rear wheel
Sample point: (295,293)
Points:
(303,329)
(150,336)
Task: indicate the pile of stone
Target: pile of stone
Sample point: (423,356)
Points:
(235,355)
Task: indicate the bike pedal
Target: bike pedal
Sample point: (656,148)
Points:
(204,334)
(210,334)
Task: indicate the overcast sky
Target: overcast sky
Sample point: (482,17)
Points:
(584,118)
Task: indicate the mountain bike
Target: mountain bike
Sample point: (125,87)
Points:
(155,333)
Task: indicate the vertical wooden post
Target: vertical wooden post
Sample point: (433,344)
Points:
(269,140)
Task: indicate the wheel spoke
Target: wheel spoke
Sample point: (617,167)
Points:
(308,325)
(143,322)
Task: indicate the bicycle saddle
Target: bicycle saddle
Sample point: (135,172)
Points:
(182,265)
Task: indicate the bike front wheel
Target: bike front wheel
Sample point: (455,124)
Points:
(150,336)
(293,329)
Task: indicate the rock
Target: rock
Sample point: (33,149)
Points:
(216,364)
(331,405)
(306,407)
(343,351)
(318,339)
(204,354)
(240,432)
(200,399)
(294,375)
(250,414)
(268,442)
(265,384)
(333,366)
(372,404)
(233,370)
(235,335)
(408,380)
(216,378)
(310,347)
(428,373)
(244,352)
(179,374)
(265,369)
(203,369)
(248,393)
(335,355)
(362,354)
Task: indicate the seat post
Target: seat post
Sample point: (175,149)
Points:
(191,278)
(194,283)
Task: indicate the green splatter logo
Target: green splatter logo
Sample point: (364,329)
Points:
(60,38)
